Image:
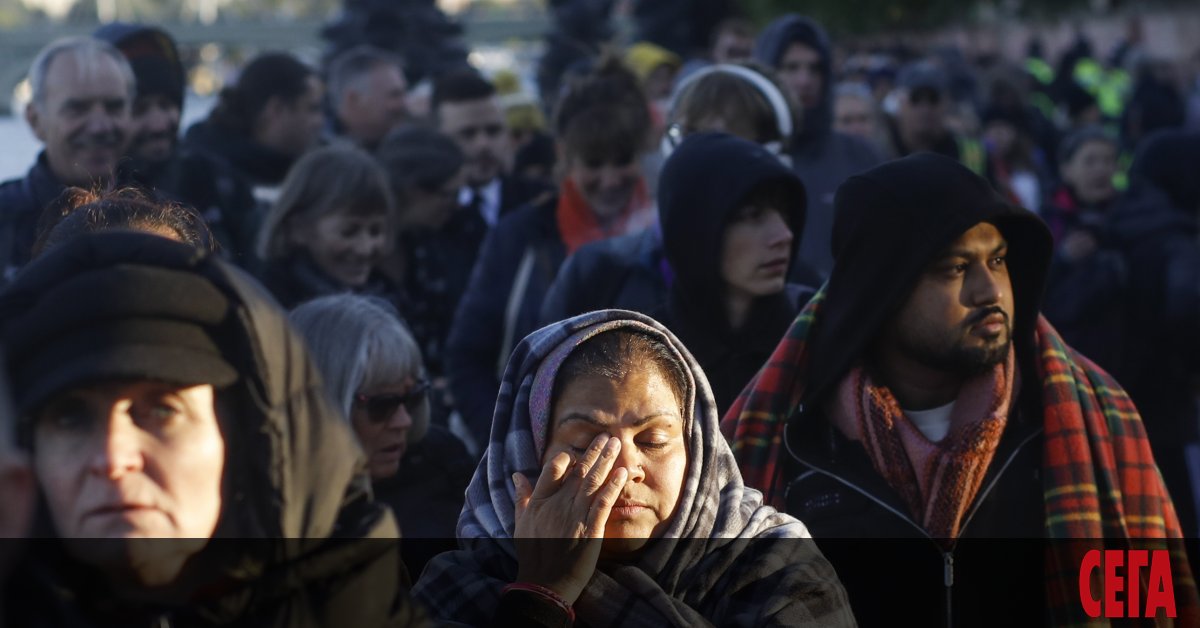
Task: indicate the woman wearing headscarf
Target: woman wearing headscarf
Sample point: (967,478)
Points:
(607,487)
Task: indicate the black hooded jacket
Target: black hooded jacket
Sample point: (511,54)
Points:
(892,221)
(701,188)
(299,541)
(822,157)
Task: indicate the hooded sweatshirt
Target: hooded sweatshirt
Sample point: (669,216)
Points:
(930,201)
(822,157)
(702,186)
(299,541)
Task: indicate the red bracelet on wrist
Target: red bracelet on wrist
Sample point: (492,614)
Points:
(544,592)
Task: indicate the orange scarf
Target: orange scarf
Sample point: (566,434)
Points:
(937,481)
(577,224)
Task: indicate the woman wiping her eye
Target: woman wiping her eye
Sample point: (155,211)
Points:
(604,488)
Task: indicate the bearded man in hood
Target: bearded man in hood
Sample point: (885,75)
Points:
(920,395)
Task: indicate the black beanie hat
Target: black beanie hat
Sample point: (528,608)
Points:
(122,321)
(152,55)
(1167,158)
(418,155)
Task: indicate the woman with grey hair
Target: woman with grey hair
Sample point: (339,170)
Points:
(373,371)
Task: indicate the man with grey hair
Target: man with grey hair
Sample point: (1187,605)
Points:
(82,92)
(368,92)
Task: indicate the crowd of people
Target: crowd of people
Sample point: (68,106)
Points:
(640,353)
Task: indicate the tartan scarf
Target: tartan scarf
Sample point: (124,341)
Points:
(1100,480)
(725,558)
(937,481)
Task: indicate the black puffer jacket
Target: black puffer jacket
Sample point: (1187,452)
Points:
(300,541)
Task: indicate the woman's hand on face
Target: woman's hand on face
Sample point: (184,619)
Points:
(560,522)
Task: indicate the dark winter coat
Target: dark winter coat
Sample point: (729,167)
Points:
(436,271)
(426,495)
(255,165)
(22,202)
(517,192)
(892,222)
(296,279)
(628,272)
(502,304)
(1156,227)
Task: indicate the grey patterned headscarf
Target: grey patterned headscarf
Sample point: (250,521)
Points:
(725,558)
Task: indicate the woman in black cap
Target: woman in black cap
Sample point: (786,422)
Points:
(169,409)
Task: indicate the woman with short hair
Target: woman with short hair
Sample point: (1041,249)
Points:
(330,230)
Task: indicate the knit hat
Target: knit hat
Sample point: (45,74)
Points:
(644,57)
(120,321)
(1167,158)
(1077,138)
(152,55)
(923,74)
(416,155)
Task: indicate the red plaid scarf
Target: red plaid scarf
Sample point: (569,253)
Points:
(1100,480)
(938,481)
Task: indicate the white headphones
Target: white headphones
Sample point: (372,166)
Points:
(783,113)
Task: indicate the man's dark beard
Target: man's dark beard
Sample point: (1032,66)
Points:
(959,358)
(135,149)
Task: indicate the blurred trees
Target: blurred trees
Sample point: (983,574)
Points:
(869,16)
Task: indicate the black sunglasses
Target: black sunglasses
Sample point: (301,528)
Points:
(381,408)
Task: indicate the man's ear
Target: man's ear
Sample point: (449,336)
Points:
(33,119)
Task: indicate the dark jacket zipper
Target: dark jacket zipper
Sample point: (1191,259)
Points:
(947,555)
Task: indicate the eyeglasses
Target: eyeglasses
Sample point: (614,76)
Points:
(381,408)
